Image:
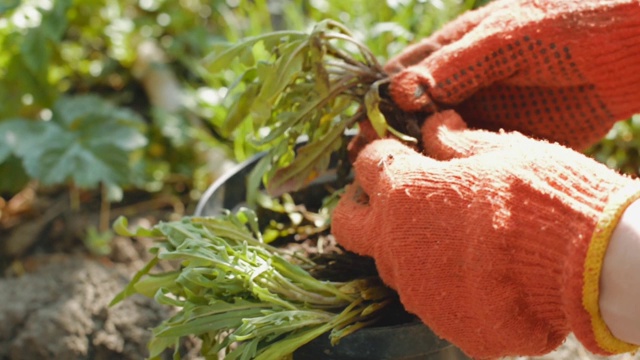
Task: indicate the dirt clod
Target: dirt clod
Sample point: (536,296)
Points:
(60,311)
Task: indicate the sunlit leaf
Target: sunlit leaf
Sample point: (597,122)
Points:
(285,70)
(309,161)
(222,60)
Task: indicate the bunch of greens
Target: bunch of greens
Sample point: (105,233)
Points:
(243,296)
(313,85)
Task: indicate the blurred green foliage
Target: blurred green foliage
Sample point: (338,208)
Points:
(75,101)
(74,105)
(620,148)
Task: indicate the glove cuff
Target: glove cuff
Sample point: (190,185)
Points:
(583,291)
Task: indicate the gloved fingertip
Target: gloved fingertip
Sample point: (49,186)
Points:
(350,221)
(443,136)
(409,89)
(376,158)
(447,119)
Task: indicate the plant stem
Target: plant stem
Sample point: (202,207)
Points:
(105,209)
(74,198)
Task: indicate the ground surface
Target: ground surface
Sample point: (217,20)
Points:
(54,301)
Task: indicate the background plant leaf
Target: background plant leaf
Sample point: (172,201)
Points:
(88,141)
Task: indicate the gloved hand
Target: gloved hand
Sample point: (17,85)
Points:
(496,242)
(560,70)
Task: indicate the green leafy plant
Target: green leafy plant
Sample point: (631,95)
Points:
(54,49)
(87,141)
(245,297)
(315,85)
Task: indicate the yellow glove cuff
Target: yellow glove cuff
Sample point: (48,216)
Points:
(610,218)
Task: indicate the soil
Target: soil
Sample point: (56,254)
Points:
(55,294)
(60,311)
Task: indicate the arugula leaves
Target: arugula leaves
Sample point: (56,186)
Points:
(242,296)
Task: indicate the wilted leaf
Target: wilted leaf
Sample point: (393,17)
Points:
(372,103)
(377,119)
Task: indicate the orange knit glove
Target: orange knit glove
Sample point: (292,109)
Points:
(560,70)
(497,244)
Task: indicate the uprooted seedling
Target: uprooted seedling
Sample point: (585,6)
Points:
(312,86)
(244,297)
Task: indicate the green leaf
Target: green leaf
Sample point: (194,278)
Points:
(36,53)
(100,122)
(87,141)
(130,288)
(21,136)
(6,144)
(255,178)
(309,161)
(159,344)
(223,59)
(287,67)
(98,242)
(54,22)
(121,227)
(150,284)
(292,342)
(240,108)
(86,166)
